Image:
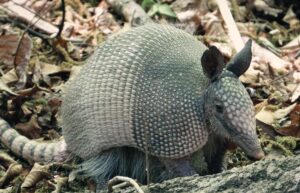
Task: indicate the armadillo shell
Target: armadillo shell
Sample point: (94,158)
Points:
(139,89)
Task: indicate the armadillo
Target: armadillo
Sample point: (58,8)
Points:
(154,89)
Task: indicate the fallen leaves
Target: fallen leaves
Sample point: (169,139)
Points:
(30,129)
(15,52)
(37,173)
(4,87)
(13,170)
(294,128)
(266,115)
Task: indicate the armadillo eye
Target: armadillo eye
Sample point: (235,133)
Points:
(219,108)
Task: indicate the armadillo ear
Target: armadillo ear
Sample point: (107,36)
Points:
(241,61)
(212,63)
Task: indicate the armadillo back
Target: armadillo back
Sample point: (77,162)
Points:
(138,89)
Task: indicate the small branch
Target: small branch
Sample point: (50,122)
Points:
(233,31)
(121,179)
(61,25)
(21,13)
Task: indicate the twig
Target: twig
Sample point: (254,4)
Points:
(119,179)
(62,22)
(20,86)
(66,55)
(17,11)
(23,34)
(233,31)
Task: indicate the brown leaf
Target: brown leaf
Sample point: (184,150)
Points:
(23,53)
(37,72)
(37,173)
(269,117)
(8,46)
(294,128)
(15,52)
(267,129)
(14,170)
(6,160)
(3,1)
(30,129)
(21,13)
(28,91)
(54,104)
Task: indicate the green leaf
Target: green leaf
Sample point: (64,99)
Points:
(154,9)
(146,4)
(165,9)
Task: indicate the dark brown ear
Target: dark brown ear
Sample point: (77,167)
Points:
(212,63)
(241,61)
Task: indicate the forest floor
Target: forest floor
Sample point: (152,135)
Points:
(43,45)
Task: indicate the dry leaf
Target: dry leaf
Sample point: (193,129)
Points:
(30,129)
(16,51)
(213,25)
(37,173)
(268,57)
(22,56)
(10,76)
(37,73)
(19,11)
(292,44)
(296,94)
(7,190)
(261,5)
(14,170)
(260,106)
(59,183)
(264,59)
(294,128)
(269,117)
(49,68)
(3,1)
(8,47)
(4,87)
(28,91)
(54,104)
(6,160)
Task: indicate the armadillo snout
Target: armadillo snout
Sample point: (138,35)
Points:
(250,145)
(255,156)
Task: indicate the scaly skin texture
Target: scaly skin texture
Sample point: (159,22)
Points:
(140,90)
(29,149)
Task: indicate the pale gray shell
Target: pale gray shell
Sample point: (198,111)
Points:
(139,89)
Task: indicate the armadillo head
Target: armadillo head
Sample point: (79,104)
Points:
(227,104)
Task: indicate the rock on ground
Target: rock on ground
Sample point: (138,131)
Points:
(276,176)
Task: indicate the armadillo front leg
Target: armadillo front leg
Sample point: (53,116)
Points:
(179,167)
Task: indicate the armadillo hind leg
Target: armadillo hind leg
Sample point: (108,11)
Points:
(214,153)
(123,161)
(179,167)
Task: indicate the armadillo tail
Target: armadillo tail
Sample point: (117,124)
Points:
(32,150)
